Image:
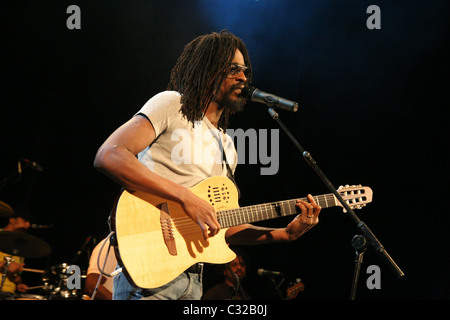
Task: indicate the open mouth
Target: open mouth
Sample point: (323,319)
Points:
(238,89)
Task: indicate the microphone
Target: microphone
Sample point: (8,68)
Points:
(271,100)
(32,164)
(262,273)
(41,226)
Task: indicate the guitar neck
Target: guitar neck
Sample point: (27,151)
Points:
(260,212)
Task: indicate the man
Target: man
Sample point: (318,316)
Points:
(231,287)
(18,222)
(204,90)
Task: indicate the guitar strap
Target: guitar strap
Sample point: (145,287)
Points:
(230,174)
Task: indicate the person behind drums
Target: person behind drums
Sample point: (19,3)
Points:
(18,222)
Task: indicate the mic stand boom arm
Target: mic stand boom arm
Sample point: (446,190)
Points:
(368,234)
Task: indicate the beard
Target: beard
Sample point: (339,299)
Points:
(230,105)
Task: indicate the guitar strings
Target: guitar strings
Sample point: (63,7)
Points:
(230,217)
(236,216)
(261,211)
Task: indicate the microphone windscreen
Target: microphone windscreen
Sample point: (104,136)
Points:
(247,92)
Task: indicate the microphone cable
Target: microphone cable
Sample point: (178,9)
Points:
(101,269)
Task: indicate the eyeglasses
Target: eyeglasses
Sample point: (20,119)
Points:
(236,69)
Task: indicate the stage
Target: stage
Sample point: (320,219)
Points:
(372,111)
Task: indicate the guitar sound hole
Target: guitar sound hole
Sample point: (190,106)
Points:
(218,194)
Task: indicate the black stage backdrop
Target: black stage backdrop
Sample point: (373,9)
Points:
(372,112)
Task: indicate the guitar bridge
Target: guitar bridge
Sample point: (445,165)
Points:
(167,229)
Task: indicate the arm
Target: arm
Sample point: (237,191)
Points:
(252,235)
(116,158)
(20,287)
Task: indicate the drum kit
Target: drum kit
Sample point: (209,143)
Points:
(55,281)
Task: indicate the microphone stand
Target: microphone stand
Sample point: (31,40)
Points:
(367,233)
(9,178)
(277,286)
(359,244)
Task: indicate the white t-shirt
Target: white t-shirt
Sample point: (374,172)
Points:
(181,152)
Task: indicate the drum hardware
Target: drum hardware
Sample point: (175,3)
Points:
(5,209)
(33,270)
(35,287)
(55,283)
(27,296)
(8,260)
(23,245)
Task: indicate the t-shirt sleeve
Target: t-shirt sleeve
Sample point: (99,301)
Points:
(161,108)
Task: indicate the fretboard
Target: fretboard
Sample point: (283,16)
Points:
(233,217)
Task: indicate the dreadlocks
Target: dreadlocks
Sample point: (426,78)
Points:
(200,70)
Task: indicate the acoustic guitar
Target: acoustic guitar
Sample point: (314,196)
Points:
(156,241)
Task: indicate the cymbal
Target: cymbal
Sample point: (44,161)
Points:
(23,245)
(5,209)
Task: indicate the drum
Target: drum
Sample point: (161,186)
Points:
(25,296)
(55,283)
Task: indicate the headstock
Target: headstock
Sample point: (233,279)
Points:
(355,196)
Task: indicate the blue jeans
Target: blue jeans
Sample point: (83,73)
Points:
(187,286)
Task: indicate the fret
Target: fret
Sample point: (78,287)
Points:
(335,200)
(321,201)
(263,210)
(247,214)
(230,217)
(221,219)
(253,212)
(238,218)
(286,209)
(224,219)
(273,211)
(260,212)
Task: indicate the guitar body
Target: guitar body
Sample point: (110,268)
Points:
(157,241)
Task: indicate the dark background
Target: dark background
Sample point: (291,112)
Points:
(372,112)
